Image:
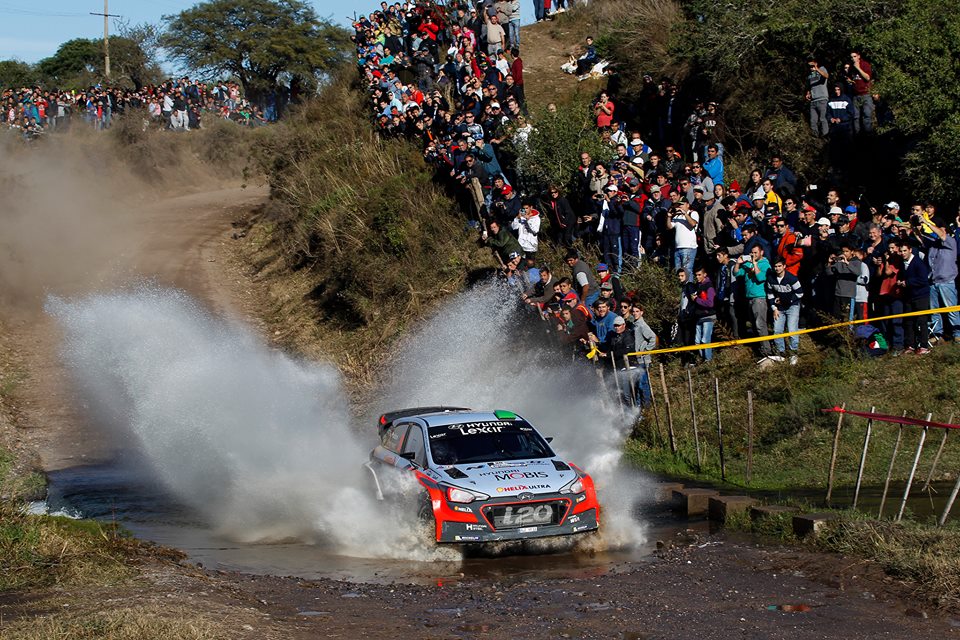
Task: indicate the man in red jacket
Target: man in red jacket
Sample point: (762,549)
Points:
(787,249)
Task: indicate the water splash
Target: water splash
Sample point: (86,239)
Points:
(261,444)
(481,351)
(256,441)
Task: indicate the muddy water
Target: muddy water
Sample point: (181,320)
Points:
(112,493)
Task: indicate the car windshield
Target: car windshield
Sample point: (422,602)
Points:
(486,442)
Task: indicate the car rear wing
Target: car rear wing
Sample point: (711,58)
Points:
(386,420)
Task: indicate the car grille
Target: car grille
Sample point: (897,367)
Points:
(526,514)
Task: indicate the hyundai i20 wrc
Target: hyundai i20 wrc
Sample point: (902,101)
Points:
(480,476)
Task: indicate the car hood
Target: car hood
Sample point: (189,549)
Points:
(544,475)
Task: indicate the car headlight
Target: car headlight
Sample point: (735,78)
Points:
(574,487)
(463,496)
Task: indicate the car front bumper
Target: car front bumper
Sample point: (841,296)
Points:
(464,532)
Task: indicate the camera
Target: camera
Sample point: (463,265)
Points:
(915,220)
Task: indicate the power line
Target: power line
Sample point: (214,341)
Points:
(20,11)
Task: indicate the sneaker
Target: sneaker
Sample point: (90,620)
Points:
(776,358)
(922,351)
(896,353)
(909,351)
(794,360)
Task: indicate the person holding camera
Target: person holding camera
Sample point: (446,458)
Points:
(683,222)
(818,95)
(754,269)
(846,268)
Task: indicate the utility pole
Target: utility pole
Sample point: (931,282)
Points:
(106,35)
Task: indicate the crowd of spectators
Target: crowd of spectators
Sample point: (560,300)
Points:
(752,254)
(178,105)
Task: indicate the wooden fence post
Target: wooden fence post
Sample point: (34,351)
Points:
(913,470)
(666,401)
(936,458)
(833,456)
(716,394)
(616,382)
(693,417)
(893,458)
(749,435)
(653,402)
(863,458)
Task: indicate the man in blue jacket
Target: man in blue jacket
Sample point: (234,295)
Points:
(941,249)
(915,280)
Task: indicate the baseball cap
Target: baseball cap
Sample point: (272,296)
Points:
(606,286)
(825,221)
(570,296)
(636,142)
(893,204)
(513,256)
(613,187)
(602,267)
(494,105)
(735,186)
(654,189)
(618,321)
(759,195)
(836,211)
(698,187)
(507,190)
(850,209)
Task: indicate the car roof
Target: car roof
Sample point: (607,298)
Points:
(458,417)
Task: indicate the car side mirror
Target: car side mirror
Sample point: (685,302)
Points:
(550,439)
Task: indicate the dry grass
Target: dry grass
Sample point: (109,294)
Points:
(152,622)
(42,551)
(928,557)
(358,241)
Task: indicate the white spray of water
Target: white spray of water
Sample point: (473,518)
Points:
(256,441)
(475,353)
(261,443)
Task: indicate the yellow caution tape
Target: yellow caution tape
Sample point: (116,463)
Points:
(730,343)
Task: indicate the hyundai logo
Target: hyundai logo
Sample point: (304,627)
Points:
(525,496)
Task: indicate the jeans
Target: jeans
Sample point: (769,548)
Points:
(683,259)
(630,244)
(915,329)
(818,118)
(945,292)
(538,11)
(513,33)
(642,386)
(610,246)
(789,317)
(705,334)
(893,329)
(758,309)
(863,120)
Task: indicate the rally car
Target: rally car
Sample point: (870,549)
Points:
(480,476)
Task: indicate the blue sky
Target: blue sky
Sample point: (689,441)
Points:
(30,31)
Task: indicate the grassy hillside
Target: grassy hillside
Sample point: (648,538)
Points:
(357,241)
(792,437)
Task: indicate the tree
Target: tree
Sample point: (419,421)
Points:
(257,41)
(14,73)
(79,63)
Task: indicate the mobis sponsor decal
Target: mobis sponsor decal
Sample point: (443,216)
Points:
(500,476)
(522,487)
